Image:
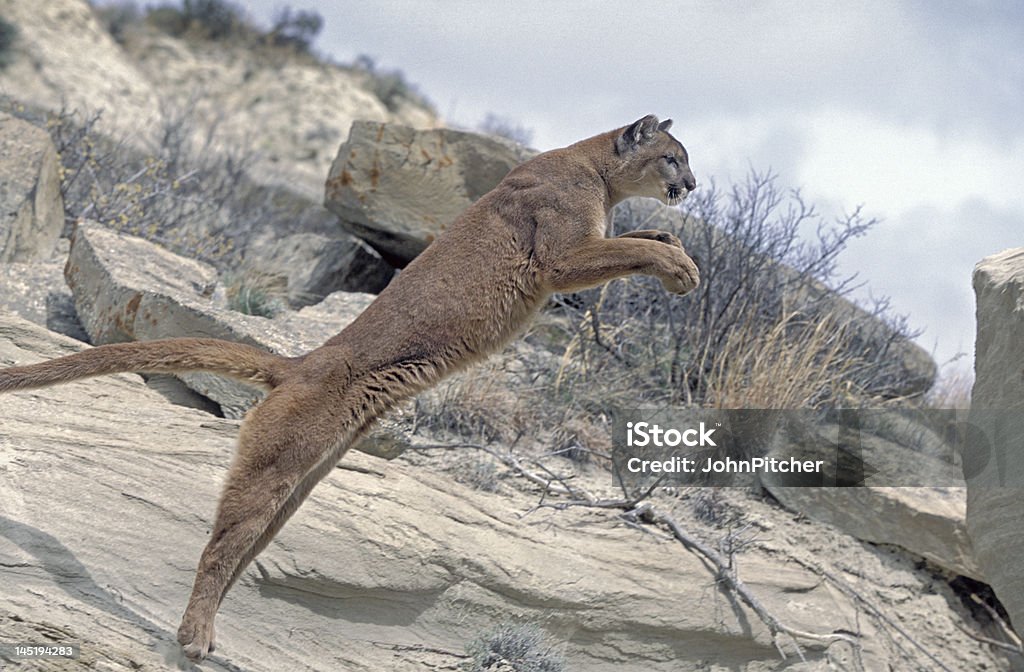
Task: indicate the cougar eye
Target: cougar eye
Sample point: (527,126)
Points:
(671,160)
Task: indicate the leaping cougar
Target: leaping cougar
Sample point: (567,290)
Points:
(541,230)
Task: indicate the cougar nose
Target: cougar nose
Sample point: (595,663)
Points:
(689,182)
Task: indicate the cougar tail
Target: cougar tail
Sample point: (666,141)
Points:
(173,355)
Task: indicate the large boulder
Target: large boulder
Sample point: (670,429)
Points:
(127,288)
(927,521)
(397,188)
(107,502)
(31,207)
(995,464)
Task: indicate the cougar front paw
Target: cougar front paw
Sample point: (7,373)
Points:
(684,277)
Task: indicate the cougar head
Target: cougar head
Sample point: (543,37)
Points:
(654,164)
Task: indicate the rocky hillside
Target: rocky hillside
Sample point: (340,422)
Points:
(481,518)
(293,112)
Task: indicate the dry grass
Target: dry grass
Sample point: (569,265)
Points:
(795,364)
(475,406)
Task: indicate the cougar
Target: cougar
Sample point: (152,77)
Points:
(541,230)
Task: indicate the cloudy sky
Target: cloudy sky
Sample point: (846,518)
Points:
(913,109)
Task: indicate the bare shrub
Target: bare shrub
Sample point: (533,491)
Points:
(765,289)
(390,86)
(183,193)
(518,647)
(119,18)
(206,19)
(506,128)
(295,29)
(708,507)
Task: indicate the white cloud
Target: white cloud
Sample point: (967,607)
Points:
(896,167)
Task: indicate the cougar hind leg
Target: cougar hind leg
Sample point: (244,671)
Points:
(287,444)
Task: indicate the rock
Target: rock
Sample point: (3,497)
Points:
(36,292)
(316,266)
(128,289)
(389,566)
(288,112)
(927,521)
(397,188)
(31,207)
(910,494)
(994,465)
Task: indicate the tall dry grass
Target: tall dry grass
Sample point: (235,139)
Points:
(797,363)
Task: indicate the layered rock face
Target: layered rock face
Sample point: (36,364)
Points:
(995,465)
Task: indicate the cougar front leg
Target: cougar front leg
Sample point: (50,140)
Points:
(286,445)
(604,259)
(654,234)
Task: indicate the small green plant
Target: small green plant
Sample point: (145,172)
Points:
(518,647)
(255,293)
(8,35)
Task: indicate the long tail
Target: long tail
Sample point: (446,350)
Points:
(172,355)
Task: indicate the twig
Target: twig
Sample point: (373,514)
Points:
(1005,646)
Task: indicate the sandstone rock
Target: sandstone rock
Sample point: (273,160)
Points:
(36,292)
(927,521)
(910,493)
(995,464)
(397,188)
(107,504)
(31,207)
(127,288)
(316,266)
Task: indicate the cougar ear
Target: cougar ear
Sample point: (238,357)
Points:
(636,134)
(665,125)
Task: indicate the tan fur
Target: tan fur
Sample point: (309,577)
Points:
(541,230)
